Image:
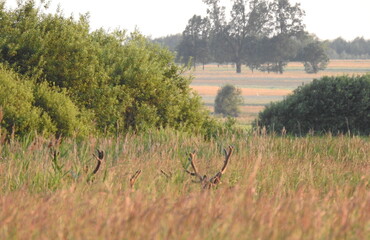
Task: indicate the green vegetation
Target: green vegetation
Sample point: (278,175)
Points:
(330,104)
(314,57)
(274,188)
(67,93)
(18,111)
(358,48)
(74,82)
(263,35)
(228,101)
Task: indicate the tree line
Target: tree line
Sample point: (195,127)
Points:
(359,48)
(263,35)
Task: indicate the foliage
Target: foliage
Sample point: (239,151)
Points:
(358,48)
(228,100)
(115,80)
(169,41)
(286,25)
(314,57)
(330,104)
(65,115)
(194,44)
(17,106)
(246,21)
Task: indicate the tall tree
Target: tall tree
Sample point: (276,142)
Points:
(287,26)
(247,18)
(195,40)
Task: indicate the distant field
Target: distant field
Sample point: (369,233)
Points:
(258,88)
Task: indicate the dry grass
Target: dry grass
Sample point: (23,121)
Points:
(274,188)
(212,90)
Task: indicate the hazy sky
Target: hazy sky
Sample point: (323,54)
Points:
(328,19)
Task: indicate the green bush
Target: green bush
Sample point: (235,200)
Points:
(19,115)
(118,81)
(64,114)
(330,104)
(228,100)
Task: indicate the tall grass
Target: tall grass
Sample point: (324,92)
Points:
(274,188)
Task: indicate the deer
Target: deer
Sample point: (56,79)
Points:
(208,183)
(100,158)
(90,177)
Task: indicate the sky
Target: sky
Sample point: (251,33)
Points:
(327,19)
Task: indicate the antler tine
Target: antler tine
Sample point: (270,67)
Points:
(99,158)
(227,158)
(191,160)
(134,178)
(217,178)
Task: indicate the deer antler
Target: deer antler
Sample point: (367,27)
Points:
(192,164)
(217,178)
(99,158)
(134,178)
(208,183)
(167,175)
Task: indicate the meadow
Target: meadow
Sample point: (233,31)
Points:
(275,187)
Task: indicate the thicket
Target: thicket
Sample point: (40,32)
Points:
(57,77)
(30,108)
(330,104)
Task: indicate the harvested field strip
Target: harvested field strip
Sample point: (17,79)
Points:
(212,90)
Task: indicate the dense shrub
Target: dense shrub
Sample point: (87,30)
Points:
(19,115)
(119,82)
(330,104)
(228,100)
(65,115)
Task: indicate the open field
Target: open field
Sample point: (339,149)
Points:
(258,88)
(274,188)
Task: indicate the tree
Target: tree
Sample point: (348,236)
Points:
(314,57)
(194,42)
(245,21)
(228,100)
(287,25)
(102,82)
(170,41)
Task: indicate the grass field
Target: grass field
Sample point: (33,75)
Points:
(274,188)
(258,88)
